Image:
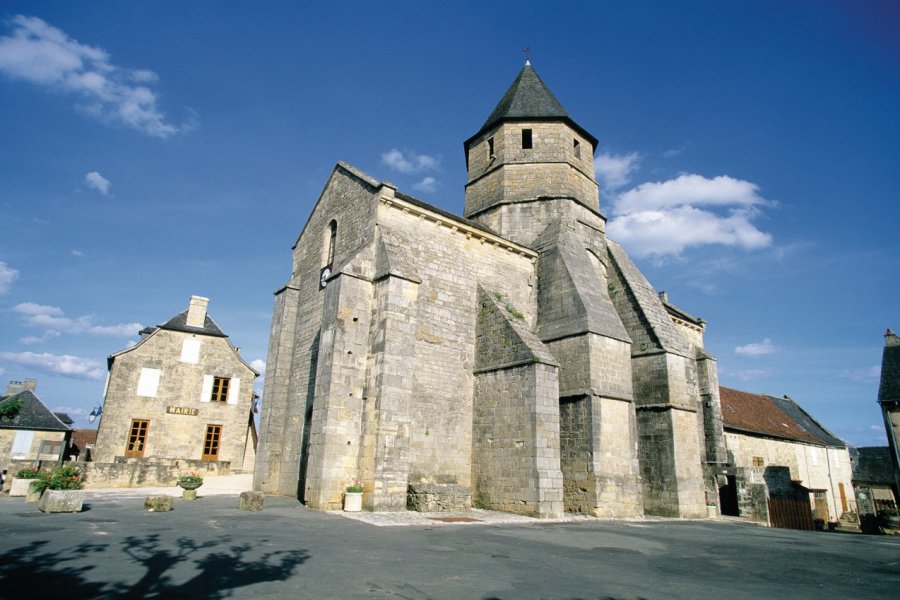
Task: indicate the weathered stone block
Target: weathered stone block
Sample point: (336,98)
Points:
(438,497)
(158,503)
(19,486)
(252,501)
(189,495)
(53,501)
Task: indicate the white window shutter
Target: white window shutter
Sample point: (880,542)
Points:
(234,391)
(190,351)
(206,392)
(22,444)
(148,383)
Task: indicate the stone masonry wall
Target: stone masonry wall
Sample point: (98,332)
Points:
(516,461)
(549,168)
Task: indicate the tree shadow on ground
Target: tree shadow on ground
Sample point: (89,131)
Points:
(35,571)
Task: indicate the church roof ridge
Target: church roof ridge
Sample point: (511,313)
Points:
(529,99)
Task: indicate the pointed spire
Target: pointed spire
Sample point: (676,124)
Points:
(529,99)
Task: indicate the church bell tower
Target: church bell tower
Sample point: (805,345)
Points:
(528,150)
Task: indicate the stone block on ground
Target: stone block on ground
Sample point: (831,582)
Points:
(251,501)
(438,497)
(54,501)
(158,503)
(19,486)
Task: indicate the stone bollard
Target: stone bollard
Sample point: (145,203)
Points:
(251,501)
(158,503)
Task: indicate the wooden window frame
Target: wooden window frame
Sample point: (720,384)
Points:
(220,389)
(136,443)
(212,442)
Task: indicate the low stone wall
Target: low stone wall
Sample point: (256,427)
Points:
(135,472)
(438,497)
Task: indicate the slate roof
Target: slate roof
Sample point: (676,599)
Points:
(889,388)
(761,414)
(33,414)
(179,323)
(872,464)
(529,99)
(807,422)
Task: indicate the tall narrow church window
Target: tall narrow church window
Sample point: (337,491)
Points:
(490,147)
(332,238)
(577,147)
(526,139)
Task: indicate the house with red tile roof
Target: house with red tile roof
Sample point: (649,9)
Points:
(774,442)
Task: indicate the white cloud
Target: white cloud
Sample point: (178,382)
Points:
(98,182)
(751,374)
(54,364)
(260,366)
(7,276)
(756,348)
(864,375)
(76,253)
(53,321)
(43,55)
(411,163)
(428,184)
(663,217)
(614,170)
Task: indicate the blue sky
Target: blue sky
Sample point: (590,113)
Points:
(749,160)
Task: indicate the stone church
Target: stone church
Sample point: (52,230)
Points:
(513,359)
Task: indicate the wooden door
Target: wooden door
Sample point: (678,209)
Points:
(211,442)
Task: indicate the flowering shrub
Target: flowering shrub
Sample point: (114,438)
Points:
(61,478)
(192,477)
(27,474)
(355,487)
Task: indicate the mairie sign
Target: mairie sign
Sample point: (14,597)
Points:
(182,410)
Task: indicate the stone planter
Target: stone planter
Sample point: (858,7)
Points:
(55,501)
(892,523)
(352,501)
(19,487)
(188,485)
(34,494)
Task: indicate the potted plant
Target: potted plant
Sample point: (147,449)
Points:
(353,497)
(21,481)
(189,483)
(61,489)
(890,518)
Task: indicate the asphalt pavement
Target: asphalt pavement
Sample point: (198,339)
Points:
(207,548)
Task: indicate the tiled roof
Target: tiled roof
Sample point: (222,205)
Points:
(757,413)
(179,323)
(33,414)
(83,438)
(807,422)
(529,99)
(872,465)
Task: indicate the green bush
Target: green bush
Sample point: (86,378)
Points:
(27,474)
(60,478)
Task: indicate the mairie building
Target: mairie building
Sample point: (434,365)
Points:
(512,358)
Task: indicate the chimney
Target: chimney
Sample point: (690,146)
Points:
(890,338)
(16,387)
(196,316)
(664,296)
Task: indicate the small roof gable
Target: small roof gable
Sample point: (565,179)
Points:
(32,415)
(529,99)
(179,323)
(82,438)
(757,413)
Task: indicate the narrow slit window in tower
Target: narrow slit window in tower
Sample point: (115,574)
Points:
(526,139)
(490,147)
(332,238)
(576,145)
